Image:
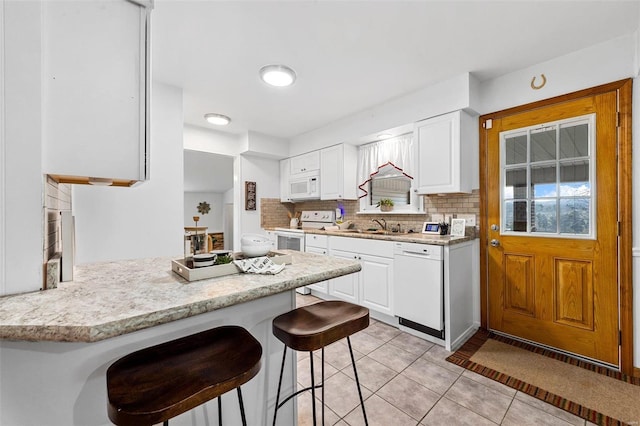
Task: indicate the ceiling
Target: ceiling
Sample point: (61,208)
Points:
(350,56)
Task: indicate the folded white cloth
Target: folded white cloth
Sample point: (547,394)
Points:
(331,228)
(259,265)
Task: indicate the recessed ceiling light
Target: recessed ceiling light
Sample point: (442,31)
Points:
(384,136)
(277,75)
(219,119)
(100,181)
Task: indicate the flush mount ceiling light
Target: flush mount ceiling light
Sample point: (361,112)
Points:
(100,181)
(277,75)
(219,119)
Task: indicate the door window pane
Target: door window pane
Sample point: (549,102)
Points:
(544,216)
(515,215)
(515,149)
(515,183)
(574,179)
(575,215)
(543,145)
(543,181)
(574,141)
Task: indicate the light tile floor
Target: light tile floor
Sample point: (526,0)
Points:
(407,381)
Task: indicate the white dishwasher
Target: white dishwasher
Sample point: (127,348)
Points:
(418,287)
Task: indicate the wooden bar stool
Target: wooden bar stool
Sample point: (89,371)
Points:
(154,384)
(313,327)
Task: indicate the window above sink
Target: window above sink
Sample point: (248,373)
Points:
(385,172)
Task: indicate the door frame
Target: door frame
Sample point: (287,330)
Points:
(625,213)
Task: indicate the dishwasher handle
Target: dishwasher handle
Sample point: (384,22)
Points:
(421,255)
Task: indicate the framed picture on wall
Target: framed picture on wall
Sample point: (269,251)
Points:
(249,195)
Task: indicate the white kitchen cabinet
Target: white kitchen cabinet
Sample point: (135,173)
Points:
(376,283)
(345,287)
(338,172)
(305,163)
(285,167)
(447,149)
(96,84)
(373,285)
(317,244)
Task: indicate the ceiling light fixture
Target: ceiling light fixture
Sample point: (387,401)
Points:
(100,181)
(218,119)
(277,75)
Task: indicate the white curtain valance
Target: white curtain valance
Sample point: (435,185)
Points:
(396,152)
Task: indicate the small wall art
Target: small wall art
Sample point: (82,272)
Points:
(249,195)
(204,207)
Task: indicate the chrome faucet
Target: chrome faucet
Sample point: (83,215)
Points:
(384,227)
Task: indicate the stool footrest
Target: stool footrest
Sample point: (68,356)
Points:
(299,392)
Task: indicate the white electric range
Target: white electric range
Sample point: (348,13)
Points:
(294,238)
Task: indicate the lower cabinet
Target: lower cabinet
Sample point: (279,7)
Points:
(317,244)
(376,283)
(322,286)
(346,286)
(372,287)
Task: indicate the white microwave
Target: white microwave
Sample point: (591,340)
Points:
(304,188)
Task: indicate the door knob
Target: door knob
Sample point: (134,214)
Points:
(495,227)
(494,243)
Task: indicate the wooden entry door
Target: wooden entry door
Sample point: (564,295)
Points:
(552,214)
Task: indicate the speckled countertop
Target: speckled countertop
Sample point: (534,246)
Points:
(415,237)
(114,298)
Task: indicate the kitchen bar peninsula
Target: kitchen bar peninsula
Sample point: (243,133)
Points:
(57,344)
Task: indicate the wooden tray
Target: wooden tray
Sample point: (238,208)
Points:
(194,274)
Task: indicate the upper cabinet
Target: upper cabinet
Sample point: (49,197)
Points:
(447,148)
(96,84)
(305,163)
(338,172)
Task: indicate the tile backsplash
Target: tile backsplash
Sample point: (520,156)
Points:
(275,213)
(57,198)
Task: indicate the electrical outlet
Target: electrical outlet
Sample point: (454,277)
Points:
(469,219)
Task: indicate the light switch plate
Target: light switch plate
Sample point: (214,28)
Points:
(469,219)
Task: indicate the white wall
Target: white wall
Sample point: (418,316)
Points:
(208,140)
(213,219)
(3,166)
(266,173)
(266,145)
(146,220)
(449,95)
(21,181)
(603,63)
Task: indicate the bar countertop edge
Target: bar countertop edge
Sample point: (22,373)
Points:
(110,299)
